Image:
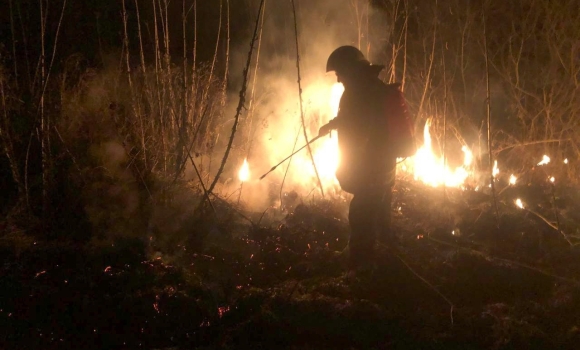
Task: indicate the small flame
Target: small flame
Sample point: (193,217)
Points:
(552,179)
(566,161)
(244,173)
(519,203)
(513,179)
(545,160)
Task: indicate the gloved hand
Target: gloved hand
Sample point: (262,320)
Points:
(325,129)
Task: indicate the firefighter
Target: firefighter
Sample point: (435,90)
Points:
(367,163)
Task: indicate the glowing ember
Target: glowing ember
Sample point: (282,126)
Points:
(513,179)
(244,173)
(519,203)
(545,160)
(430,169)
(495,170)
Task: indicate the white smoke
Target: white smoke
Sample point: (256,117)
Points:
(269,128)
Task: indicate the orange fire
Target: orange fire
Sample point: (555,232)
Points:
(431,169)
(425,166)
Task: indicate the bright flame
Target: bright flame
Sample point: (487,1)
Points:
(468,159)
(566,161)
(325,151)
(545,160)
(244,173)
(335,95)
(495,170)
(552,179)
(513,179)
(519,203)
(326,155)
(430,169)
(326,158)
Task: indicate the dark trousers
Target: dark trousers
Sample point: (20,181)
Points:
(369,218)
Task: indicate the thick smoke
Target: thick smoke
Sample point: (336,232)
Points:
(270,129)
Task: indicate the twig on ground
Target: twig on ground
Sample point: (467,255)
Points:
(205,192)
(555,227)
(429,284)
(234,209)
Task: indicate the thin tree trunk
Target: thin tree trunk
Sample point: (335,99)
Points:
(241,101)
(488,113)
(249,141)
(6,140)
(431,59)
(43,122)
(444,120)
(300,99)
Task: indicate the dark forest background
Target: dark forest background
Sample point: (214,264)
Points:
(123,223)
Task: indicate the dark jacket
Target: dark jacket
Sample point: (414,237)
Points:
(361,124)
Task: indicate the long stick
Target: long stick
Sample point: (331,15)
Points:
(488,107)
(290,156)
(508,261)
(240,102)
(556,213)
(444,121)
(300,98)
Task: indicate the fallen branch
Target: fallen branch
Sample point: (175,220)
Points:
(544,219)
(507,261)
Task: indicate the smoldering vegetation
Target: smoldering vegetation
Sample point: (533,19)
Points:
(124,225)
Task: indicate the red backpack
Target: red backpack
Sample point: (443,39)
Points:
(400,126)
